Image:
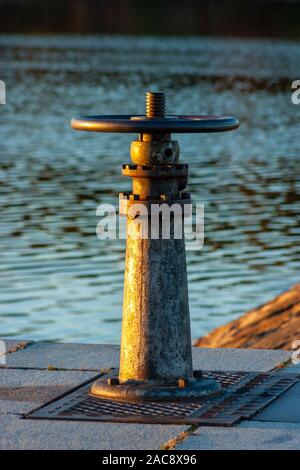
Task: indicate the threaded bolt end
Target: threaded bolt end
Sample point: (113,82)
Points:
(155,105)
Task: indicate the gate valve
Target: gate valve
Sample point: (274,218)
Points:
(156,351)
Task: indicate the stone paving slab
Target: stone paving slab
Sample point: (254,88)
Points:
(27,434)
(12,345)
(238,359)
(70,356)
(26,382)
(268,424)
(285,409)
(237,438)
(22,390)
(96,357)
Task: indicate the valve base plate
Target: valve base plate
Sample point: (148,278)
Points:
(138,391)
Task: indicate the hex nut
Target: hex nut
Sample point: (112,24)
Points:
(182,383)
(113,381)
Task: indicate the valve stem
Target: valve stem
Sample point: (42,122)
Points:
(155,105)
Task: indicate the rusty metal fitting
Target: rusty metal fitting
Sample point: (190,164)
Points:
(182,383)
(156,171)
(127,201)
(129,197)
(134,197)
(113,381)
(154,151)
(149,181)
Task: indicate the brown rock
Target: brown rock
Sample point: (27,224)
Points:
(274,325)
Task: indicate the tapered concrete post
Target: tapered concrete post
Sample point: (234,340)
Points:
(156,338)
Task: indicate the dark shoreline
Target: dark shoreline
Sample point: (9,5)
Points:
(227,18)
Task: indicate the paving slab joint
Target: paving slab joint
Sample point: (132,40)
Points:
(172,443)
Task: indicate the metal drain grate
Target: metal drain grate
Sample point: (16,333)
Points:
(243,395)
(227,379)
(93,406)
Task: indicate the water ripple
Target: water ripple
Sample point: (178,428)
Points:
(57,280)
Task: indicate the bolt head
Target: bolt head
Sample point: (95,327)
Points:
(182,383)
(113,381)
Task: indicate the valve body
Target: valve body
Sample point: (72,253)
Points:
(156,338)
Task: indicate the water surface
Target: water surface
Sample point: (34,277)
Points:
(57,280)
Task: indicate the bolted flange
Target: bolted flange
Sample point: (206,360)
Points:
(156,353)
(135,390)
